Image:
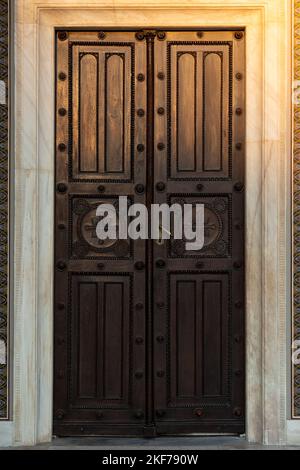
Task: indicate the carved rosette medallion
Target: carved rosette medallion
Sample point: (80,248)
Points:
(86,243)
(216,238)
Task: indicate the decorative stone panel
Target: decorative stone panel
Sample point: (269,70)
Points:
(4,19)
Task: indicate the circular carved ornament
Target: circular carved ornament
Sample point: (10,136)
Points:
(86,231)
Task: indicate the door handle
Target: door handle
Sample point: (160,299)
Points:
(160,241)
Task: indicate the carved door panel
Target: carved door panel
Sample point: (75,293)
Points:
(198,310)
(149,337)
(100,285)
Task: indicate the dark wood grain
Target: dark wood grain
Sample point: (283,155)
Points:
(156,350)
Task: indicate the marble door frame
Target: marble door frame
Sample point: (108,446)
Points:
(268,173)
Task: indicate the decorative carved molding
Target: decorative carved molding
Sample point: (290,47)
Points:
(4,54)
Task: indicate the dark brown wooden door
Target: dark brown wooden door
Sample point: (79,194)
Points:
(149,337)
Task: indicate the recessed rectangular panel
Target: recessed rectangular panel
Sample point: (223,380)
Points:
(88,109)
(199,110)
(114,112)
(186,102)
(186,338)
(87,339)
(101,105)
(199,338)
(213,322)
(100,324)
(113,340)
(212,111)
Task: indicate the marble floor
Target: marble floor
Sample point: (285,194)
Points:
(160,443)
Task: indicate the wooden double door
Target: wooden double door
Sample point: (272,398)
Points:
(149,337)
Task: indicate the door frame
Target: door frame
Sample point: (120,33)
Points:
(268,131)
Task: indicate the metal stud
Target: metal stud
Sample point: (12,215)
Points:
(140,77)
(140,112)
(199,412)
(101,35)
(239,186)
(61,265)
(60,414)
(160,373)
(238,146)
(239,76)
(237,412)
(160,263)
(200,186)
(200,34)
(160,186)
(161,35)
(139,35)
(237,225)
(160,75)
(238,111)
(160,413)
(139,306)
(139,188)
(160,146)
(101,188)
(61,226)
(61,306)
(140,147)
(62,76)
(62,35)
(237,264)
(139,340)
(99,415)
(138,374)
(62,187)
(161,111)
(62,111)
(139,414)
(100,265)
(139,265)
(238,304)
(62,147)
(239,35)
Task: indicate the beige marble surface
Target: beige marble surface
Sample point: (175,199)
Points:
(267,198)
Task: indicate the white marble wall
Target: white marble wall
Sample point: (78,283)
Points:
(267,198)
